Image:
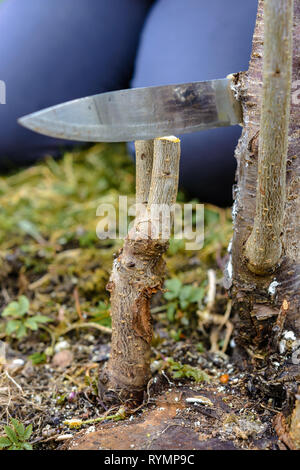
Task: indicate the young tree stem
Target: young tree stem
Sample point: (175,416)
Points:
(264,246)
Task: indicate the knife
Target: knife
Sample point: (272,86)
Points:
(141,113)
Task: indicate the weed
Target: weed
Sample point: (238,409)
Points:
(18,319)
(16,436)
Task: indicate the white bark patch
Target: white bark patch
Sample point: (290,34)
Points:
(272,287)
(227,281)
(289,335)
(282,346)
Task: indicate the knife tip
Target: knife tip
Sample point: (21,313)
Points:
(23,121)
(28,121)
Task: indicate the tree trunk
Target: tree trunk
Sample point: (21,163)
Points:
(267,303)
(138,272)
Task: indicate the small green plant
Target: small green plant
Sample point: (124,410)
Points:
(16,436)
(18,319)
(185,371)
(38,358)
(180,296)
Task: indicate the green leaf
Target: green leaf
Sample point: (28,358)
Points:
(11,434)
(4,442)
(27,446)
(197,294)
(175,334)
(23,304)
(185,292)
(41,319)
(180,371)
(38,358)
(173,285)
(14,447)
(184,304)
(177,375)
(17,308)
(12,326)
(28,432)
(21,331)
(31,323)
(18,426)
(12,310)
(190,294)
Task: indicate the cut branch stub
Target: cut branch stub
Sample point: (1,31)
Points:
(264,246)
(137,274)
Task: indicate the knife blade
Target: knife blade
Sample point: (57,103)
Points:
(140,113)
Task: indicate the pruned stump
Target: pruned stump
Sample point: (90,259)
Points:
(138,272)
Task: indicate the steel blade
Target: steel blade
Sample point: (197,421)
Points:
(140,113)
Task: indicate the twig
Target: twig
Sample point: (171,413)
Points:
(42,280)
(103,329)
(77,304)
(211,295)
(51,334)
(14,382)
(78,423)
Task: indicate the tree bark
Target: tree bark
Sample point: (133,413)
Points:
(264,246)
(267,305)
(138,272)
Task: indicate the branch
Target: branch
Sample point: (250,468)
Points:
(264,247)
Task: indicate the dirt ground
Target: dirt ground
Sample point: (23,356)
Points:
(187,418)
(219,414)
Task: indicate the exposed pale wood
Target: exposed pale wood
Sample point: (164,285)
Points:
(143,161)
(165,172)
